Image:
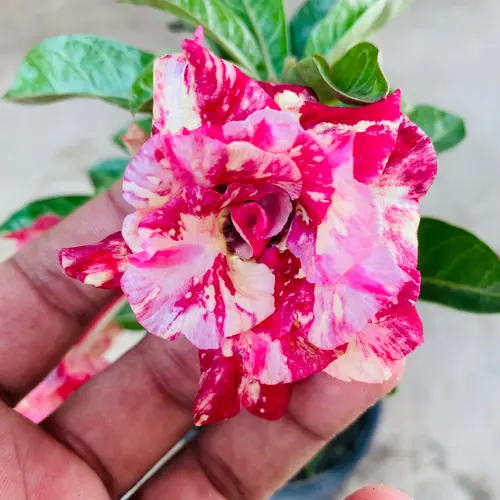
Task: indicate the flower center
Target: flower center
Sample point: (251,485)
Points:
(251,224)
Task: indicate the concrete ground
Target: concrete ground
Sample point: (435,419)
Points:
(440,435)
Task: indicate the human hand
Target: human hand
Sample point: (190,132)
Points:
(107,435)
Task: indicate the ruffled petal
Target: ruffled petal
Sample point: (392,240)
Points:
(394,333)
(248,163)
(174,102)
(217,397)
(101,265)
(317,165)
(182,281)
(408,175)
(266,401)
(277,350)
(224,392)
(412,166)
(289,98)
(259,217)
(344,238)
(341,311)
(375,127)
(167,163)
(197,88)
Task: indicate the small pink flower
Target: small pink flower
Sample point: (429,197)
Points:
(276,233)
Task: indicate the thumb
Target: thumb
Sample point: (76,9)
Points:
(378,493)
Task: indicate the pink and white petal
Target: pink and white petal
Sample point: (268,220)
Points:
(174,102)
(165,164)
(41,224)
(183,282)
(396,332)
(284,360)
(258,221)
(344,238)
(221,92)
(101,265)
(248,163)
(411,168)
(317,165)
(400,229)
(289,98)
(265,401)
(375,127)
(341,311)
(130,229)
(359,363)
(270,130)
(217,398)
(407,177)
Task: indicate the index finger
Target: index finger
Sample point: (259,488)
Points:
(43,313)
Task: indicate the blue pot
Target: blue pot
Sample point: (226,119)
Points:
(341,457)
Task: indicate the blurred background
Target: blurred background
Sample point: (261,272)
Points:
(440,435)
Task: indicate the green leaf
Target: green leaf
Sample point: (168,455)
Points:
(304,21)
(356,79)
(105,173)
(126,319)
(458,270)
(221,24)
(444,129)
(26,216)
(145,124)
(142,91)
(267,20)
(78,66)
(315,73)
(347,23)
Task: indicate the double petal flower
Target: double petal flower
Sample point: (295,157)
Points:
(278,234)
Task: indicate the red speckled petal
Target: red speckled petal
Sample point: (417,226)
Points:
(407,177)
(101,265)
(375,127)
(393,334)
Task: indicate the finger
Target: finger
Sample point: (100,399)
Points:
(247,457)
(43,312)
(126,418)
(32,465)
(378,493)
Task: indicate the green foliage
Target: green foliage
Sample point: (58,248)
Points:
(142,91)
(347,23)
(266,19)
(26,216)
(458,270)
(355,79)
(144,123)
(105,173)
(304,21)
(78,66)
(444,129)
(126,319)
(221,24)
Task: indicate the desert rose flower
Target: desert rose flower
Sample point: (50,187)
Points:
(278,234)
